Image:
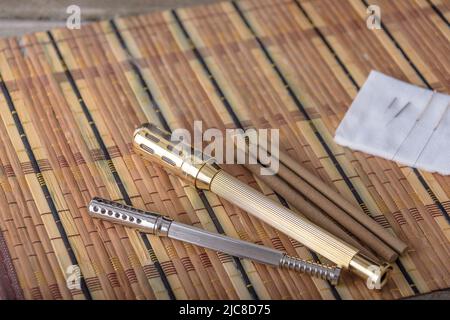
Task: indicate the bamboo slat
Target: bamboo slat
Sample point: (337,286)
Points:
(70,100)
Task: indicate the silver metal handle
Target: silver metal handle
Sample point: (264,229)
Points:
(231,246)
(153,223)
(145,221)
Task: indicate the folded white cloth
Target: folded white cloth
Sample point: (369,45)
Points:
(370,124)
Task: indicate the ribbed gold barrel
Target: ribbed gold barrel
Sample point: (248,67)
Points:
(283,219)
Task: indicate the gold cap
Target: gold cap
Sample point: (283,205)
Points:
(375,274)
(155,144)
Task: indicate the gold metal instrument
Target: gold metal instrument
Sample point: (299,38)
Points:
(154,144)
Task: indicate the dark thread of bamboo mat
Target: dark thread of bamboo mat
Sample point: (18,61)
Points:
(108,159)
(44,187)
(237,122)
(402,269)
(317,133)
(161,117)
(438,12)
(422,77)
(137,71)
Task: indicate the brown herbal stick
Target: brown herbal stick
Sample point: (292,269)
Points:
(332,209)
(394,242)
(340,216)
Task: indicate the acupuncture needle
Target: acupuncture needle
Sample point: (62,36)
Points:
(391,104)
(432,134)
(399,112)
(415,124)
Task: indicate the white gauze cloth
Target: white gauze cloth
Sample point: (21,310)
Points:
(370,124)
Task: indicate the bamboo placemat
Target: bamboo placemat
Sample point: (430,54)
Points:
(71,99)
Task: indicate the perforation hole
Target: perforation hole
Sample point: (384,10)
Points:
(167,160)
(103,211)
(148,149)
(95,208)
(151,137)
(117,215)
(110,213)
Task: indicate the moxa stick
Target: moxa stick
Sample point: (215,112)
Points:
(395,243)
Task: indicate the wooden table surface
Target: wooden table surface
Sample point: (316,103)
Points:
(17,18)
